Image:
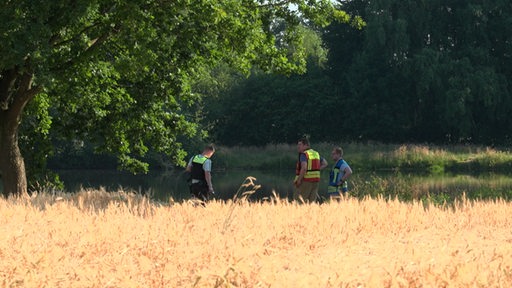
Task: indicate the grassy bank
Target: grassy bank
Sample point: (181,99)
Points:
(90,240)
(438,189)
(368,157)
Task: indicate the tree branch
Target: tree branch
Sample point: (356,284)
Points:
(55,38)
(8,80)
(277,4)
(95,44)
(25,93)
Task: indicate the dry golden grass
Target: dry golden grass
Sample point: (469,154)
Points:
(126,241)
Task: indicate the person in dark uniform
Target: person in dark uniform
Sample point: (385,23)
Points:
(200,168)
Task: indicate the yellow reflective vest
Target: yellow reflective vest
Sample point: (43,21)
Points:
(313,170)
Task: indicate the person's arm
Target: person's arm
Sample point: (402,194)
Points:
(207,167)
(323,163)
(208,177)
(348,172)
(303,170)
(189,166)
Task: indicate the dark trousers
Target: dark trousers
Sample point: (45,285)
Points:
(199,190)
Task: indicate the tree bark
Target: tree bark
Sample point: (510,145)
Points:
(12,165)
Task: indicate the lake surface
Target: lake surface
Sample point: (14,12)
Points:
(165,185)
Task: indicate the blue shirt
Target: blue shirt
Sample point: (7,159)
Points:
(343,166)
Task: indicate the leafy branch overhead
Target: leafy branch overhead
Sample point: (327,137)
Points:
(119,72)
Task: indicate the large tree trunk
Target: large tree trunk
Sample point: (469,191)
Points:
(12,165)
(16,92)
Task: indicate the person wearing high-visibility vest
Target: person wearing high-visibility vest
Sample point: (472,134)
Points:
(200,168)
(339,174)
(307,172)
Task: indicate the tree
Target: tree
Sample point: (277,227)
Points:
(118,72)
(267,108)
(425,71)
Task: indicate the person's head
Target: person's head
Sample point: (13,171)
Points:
(303,144)
(209,150)
(337,153)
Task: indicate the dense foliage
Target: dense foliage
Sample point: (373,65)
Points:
(119,73)
(416,71)
(141,77)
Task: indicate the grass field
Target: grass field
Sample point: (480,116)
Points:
(373,156)
(100,239)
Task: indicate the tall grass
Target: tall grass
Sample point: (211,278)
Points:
(373,156)
(92,240)
(437,189)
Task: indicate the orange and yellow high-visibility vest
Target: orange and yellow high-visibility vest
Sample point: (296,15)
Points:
(313,170)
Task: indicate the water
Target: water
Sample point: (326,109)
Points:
(165,185)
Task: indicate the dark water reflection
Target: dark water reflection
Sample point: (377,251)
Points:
(165,185)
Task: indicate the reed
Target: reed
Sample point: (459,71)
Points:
(247,188)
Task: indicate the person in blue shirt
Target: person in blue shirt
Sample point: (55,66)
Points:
(340,172)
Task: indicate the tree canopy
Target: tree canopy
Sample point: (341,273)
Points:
(119,72)
(411,71)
